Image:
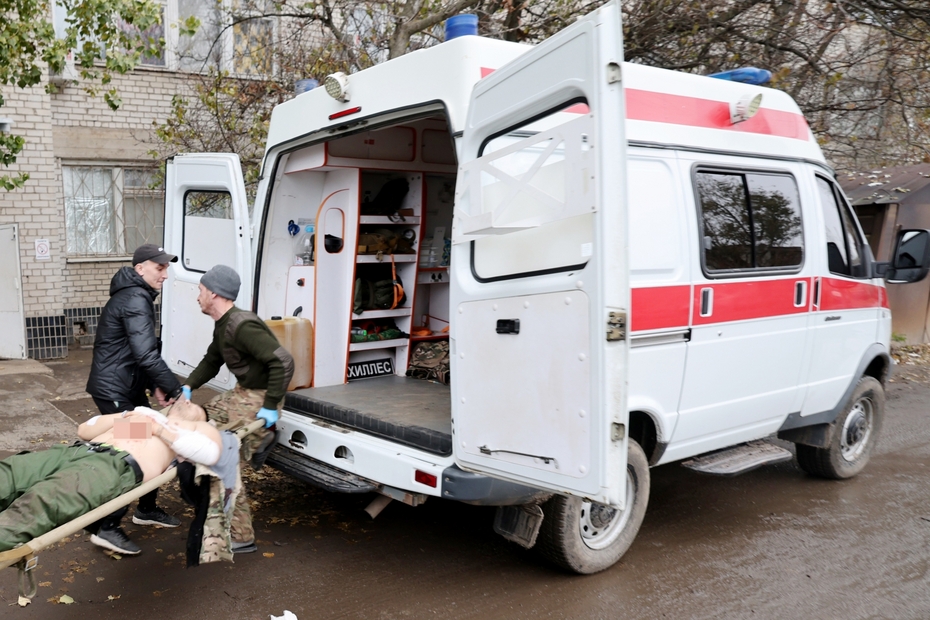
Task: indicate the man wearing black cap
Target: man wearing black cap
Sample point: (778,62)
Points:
(127,361)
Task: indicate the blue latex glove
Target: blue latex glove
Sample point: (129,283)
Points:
(186,390)
(270,416)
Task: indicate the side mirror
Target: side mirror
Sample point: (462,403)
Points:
(911,259)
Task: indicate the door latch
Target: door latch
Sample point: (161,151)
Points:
(616,326)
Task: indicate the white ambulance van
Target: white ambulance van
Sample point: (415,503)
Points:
(631,267)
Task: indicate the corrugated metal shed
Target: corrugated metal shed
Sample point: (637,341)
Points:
(885,185)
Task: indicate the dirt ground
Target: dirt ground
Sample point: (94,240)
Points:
(773,543)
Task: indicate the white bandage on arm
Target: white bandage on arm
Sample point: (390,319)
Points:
(92,421)
(196,447)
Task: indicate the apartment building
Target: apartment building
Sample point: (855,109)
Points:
(93,196)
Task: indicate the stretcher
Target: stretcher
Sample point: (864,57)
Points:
(24,558)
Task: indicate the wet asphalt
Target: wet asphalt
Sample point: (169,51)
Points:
(773,543)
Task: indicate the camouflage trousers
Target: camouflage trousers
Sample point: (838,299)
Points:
(233,409)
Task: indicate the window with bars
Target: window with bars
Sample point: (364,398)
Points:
(253,37)
(111,210)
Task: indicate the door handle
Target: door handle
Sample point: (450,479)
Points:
(508,326)
(800,293)
(707,301)
(816,293)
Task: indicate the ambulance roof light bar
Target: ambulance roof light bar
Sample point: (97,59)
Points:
(746,75)
(337,86)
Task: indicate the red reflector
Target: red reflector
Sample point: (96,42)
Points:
(348,112)
(424,478)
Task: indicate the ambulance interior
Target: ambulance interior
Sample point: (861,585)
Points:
(346,220)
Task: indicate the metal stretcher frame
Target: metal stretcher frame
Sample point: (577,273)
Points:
(24,557)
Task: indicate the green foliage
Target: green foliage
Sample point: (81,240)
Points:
(107,36)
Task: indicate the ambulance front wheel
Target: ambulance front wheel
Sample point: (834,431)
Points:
(585,537)
(854,435)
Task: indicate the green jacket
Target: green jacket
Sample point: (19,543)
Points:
(250,350)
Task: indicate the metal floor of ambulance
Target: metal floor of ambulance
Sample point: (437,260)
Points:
(408,411)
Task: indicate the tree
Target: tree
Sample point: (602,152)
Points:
(107,37)
(857,68)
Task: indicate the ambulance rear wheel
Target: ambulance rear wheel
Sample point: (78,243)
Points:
(586,537)
(854,435)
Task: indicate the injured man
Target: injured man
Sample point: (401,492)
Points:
(40,491)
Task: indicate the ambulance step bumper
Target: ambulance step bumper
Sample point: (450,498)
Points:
(317,473)
(738,459)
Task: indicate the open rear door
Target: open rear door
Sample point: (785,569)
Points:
(206,224)
(540,289)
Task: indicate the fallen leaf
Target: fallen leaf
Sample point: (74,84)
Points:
(65,599)
(113,597)
(268,555)
(68,579)
(99,579)
(158,592)
(45,584)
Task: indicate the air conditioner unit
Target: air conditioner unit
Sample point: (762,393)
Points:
(67,74)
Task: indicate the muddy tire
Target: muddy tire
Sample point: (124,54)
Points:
(586,538)
(854,436)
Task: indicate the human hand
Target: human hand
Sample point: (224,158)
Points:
(270,416)
(162,398)
(186,391)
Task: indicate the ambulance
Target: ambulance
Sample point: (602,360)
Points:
(628,267)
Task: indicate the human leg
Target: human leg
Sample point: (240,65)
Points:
(82,481)
(238,407)
(20,472)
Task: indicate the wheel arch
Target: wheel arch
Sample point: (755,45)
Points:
(817,429)
(645,430)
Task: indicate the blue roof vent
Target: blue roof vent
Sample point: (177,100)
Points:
(461,25)
(746,75)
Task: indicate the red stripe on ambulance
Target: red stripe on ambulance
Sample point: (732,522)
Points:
(644,105)
(742,301)
(660,307)
(841,294)
(670,307)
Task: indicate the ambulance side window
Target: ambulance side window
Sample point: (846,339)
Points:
(750,221)
(844,245)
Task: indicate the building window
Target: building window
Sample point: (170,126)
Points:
(253,38)
(110,211)
(153,34)
(749,221)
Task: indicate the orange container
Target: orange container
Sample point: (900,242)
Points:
(296,335)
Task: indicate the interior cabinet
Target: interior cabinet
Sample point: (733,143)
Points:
(333,185)
(416,263)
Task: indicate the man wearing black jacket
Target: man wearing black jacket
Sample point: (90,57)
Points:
(127,361)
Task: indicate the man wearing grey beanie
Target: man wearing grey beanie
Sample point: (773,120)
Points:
(263,370)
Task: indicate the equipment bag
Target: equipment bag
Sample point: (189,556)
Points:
(386,241)
(430,361)
(379,294)
(388,200)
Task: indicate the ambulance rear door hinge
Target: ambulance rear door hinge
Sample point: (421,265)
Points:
(616,326)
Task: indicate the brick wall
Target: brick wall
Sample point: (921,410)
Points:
(71,126)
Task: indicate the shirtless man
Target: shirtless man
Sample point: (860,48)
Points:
(41,490)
